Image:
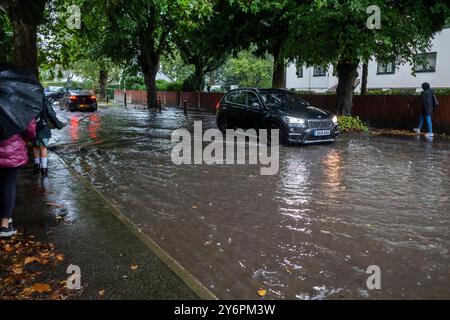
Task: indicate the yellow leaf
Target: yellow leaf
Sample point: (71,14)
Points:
(30,260)
(7,248)
(101,293)
(38,287)
(134,267)
(60,257)
(262,292)
(17,269)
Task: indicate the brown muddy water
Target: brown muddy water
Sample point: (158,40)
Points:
(309,232)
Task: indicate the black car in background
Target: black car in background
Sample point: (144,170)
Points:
(54,93)
(78,100)
(297,120)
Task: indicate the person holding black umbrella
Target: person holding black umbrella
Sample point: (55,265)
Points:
(21,97)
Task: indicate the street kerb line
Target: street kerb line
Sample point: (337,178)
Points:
(190,280)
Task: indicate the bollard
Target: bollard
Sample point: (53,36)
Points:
(125,98)
(159,105)
(185,102)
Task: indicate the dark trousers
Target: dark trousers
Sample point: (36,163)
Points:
(8,182)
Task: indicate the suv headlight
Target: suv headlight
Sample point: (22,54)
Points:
(335,120)
(292,120)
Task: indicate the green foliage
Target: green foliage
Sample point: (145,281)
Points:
(6,43)
(133,83)
(442,92)
(391,92)
(163,85)
(207,47)
(174,67)
(247,70)
(352,124)
(137,83)
(306,92)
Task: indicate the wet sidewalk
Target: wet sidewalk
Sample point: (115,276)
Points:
(114,263)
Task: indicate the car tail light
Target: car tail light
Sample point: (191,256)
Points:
(93,98)
(73,98)
(218,105)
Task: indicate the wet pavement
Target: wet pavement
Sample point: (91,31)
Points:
(309,232)
(114,264)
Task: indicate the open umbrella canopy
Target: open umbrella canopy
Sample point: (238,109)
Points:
(21,100)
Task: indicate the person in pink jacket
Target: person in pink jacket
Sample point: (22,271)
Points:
(13,155)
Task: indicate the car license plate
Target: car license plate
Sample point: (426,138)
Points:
(319,133)
(83,105)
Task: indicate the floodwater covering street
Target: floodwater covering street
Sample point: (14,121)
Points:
(309,232)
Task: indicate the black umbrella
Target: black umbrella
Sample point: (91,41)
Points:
(21,100)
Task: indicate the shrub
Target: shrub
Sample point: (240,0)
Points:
(390,92)
(442,92)
(174,86)
(352,124)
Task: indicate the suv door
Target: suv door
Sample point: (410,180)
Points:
(255,112)
(235,106)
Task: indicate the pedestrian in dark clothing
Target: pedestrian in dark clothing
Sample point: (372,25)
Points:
(45,119)
(13,155)
(429,102)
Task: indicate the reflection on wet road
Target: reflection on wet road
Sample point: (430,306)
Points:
(309,232)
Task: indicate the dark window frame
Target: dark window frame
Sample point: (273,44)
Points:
(394,66)
(433,70)
(299,72)
(316,74)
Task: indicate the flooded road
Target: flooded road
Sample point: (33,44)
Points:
(309,232)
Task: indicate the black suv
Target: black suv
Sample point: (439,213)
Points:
(297,120)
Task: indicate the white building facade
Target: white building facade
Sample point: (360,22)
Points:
(381,75)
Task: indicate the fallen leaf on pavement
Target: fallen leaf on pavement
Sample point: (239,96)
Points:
(38,287)
(30,260)
(134,267)
(262,292)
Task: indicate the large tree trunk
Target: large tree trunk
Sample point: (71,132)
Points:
(279,70)
(365,73)
(25,16)
(195,81)
(25,45)
(150,83)
(149,66)
(102,80)
(347,73)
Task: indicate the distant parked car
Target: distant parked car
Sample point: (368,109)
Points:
(54,93)
(297,120)
(78,100)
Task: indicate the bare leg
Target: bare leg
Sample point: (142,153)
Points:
(36,152)
(44,152)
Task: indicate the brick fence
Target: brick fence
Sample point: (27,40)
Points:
(389,111)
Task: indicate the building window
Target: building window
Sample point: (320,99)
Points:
(427,62)
(299,71)
(386,68)
(320,72)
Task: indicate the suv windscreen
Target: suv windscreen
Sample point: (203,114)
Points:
(283,100)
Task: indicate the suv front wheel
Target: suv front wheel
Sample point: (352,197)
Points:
(282,134)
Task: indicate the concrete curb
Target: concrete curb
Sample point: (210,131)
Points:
(191,282)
